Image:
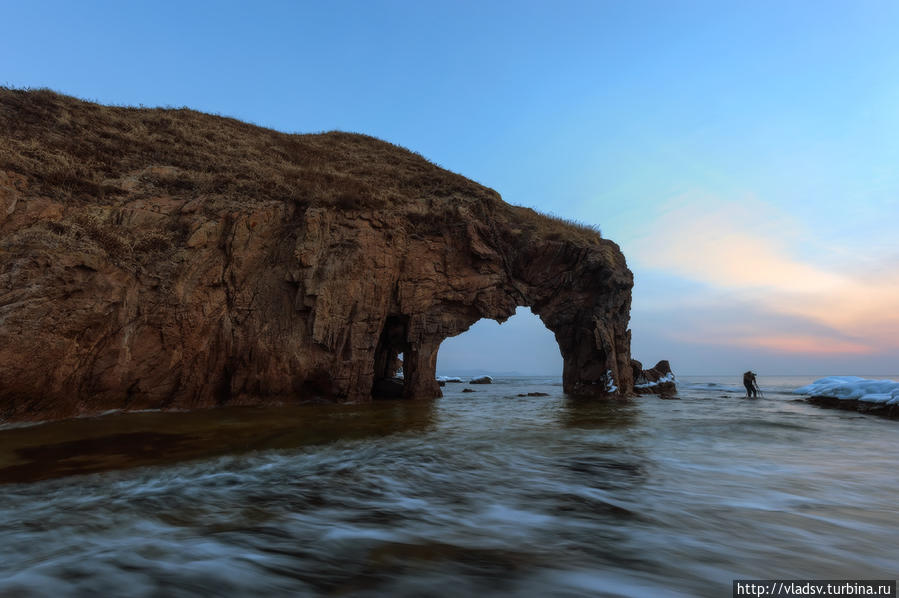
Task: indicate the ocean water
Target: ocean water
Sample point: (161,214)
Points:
(484,493)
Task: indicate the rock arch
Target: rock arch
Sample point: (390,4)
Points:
(580,292)
(253,267)
(268,309)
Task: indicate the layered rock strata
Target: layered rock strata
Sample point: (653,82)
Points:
(172,259)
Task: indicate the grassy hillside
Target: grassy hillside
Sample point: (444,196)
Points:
(78,152)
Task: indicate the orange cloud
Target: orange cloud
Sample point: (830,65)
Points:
(744,248)
(807,344)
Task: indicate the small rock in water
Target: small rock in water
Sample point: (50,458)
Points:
(534,394)
(467,390)
(482,380)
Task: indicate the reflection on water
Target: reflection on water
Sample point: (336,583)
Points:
(480,493)
(598,415)
(89,445)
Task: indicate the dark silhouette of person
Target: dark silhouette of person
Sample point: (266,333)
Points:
(752,387)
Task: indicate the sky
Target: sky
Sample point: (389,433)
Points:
(742,154)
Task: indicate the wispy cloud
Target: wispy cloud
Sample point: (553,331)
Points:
(748,252)
(813,345)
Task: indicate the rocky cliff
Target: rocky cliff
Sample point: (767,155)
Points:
(171,259)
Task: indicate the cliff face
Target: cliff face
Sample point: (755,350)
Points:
(172,259)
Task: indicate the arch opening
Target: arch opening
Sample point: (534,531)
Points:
(387,384)
(520,346)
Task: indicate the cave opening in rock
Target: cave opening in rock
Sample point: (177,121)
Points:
(521,346)
(391,345)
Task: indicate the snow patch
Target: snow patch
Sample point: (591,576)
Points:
(853,387)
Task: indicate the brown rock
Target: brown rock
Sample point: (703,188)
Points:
(636,369)
(869,407)
(658,371)
(648,381)
(183,260)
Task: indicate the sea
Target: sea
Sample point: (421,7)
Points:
(485,493)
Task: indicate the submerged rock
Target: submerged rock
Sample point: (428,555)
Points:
(882,409)
(189,260)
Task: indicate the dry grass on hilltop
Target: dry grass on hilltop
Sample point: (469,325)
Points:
(75,151)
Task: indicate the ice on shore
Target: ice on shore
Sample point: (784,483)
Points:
(853,387)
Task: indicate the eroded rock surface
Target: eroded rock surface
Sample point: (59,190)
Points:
(659,379)
(172,259)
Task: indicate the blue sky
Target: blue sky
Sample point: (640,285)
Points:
(742,154)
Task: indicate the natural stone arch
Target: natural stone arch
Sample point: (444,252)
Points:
(238,265)
(259,316)
(579,293)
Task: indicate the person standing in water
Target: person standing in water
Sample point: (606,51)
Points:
(752,387)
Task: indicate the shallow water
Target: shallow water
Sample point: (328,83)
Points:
(480,493)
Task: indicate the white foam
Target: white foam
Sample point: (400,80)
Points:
(449,379)
(853,387)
